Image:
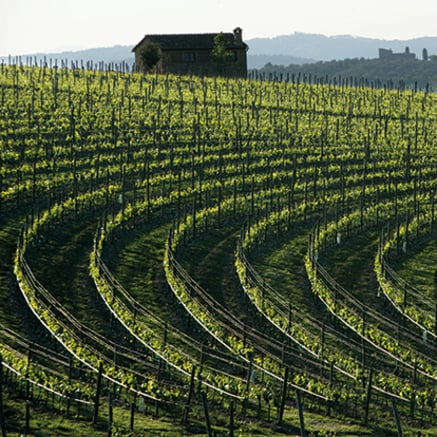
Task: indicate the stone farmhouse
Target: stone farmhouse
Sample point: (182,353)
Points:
(193,54)
(388,54)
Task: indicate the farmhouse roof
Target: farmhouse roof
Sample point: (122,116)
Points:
(200,41)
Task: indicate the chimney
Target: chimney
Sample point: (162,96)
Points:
(238,34)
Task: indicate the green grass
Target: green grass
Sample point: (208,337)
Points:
(47,422)
(280,262)
(61,262)
(419,267)
(351,264)
(136,257)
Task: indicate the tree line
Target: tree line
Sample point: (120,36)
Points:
(411,73)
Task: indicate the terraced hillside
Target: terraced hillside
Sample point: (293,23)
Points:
(187,255)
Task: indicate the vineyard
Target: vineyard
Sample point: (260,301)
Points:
(207,256)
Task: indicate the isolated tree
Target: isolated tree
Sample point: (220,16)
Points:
(220,52)
(150,55)
(425,54)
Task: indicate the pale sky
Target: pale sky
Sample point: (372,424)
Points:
(30,26)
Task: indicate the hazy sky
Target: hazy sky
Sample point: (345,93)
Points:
(29,26)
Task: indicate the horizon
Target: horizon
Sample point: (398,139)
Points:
(53,27)
(72,49)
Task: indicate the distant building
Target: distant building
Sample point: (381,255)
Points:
(193,54)
(388,54)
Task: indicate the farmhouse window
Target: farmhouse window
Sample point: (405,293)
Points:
(189,57)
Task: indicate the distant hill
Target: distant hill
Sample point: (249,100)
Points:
(326,48)
(258,61)
(116,54)
(297,48)
(119,54)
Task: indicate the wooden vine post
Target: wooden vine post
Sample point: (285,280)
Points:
(27,418)
(132,411)
(70,376)
(413,394)
(1,186)
(190,395)
(435,298)
(110,414)
(396,417)
(283,397)
(249,374)
(300,410)
(97,395)
(231,419)
(2,417)
(368,395)
(207,420)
